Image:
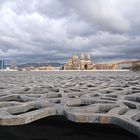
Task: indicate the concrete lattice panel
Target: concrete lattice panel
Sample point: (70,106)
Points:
(94,97)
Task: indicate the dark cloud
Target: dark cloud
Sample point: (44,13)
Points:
(53,30)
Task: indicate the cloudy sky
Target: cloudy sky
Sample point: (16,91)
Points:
(53,30)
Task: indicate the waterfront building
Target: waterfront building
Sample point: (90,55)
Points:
(13,65)
(124,65)
(136,65)
(2,65)
(82,63)
(105,66)
(49,67)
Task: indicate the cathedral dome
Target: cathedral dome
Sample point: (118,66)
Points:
(75,57)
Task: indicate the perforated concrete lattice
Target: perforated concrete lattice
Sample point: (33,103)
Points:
(93,97)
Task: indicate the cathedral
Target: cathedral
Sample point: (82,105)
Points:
(82,63)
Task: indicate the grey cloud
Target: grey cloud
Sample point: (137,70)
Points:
(53,30)
(101,14)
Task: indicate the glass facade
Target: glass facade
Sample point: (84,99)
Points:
(1,64)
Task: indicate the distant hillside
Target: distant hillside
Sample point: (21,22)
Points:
(39,64)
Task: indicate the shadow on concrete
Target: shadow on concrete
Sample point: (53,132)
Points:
(59,128)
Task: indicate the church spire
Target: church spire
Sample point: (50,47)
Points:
(82,56)
(87,56)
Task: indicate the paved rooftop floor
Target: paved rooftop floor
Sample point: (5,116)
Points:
(93,97)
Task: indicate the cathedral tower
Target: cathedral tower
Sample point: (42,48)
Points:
(82,56)
(87,56)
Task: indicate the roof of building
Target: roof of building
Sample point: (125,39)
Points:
(75,57)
